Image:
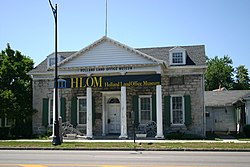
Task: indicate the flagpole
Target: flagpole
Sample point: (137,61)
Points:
(106,19)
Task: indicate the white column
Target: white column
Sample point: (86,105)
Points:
(54,110)
(159,134)
(123,113)
(89,113)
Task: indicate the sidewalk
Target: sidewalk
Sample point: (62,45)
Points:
(138,141)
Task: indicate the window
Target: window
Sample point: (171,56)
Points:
(82,111)
(9,122)
(145,109)
(5,122)
(177,80)
(177,58)
(51,60)
(177,110)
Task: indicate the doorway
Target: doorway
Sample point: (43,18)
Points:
(113,114)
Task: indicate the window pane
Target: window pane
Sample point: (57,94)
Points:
(177,110)
(82,111)
(145,109)
(145,116)
(82,105)
(145,103)
(177,57)
(82,118)
(51,61)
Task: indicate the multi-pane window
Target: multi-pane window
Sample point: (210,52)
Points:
(177,58)
(145,108)
(82,111)
(177,110)
(7,122)
(51,61)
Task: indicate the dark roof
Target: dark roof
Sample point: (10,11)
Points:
(42,67)
(224,98)
(195,56)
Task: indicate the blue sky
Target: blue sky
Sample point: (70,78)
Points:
(223,26)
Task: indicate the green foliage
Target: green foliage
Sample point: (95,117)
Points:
(242,78)
(219,73)
(182,136)
(246,130)
(15,87)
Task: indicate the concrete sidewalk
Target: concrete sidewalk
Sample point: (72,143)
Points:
(138,141)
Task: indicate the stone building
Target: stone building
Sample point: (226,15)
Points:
(110,85)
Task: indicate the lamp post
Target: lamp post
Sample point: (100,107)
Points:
(56,138)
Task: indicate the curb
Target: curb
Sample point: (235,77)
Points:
(126,149)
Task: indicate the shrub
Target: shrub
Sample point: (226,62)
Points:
(246,130)
(4,132)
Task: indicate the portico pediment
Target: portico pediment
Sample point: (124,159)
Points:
(107,53)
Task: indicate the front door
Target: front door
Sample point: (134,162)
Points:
(114,117)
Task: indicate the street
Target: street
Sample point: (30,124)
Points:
(42,158)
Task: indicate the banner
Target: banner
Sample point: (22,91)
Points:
(114,81)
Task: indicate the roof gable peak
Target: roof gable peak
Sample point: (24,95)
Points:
(113,42)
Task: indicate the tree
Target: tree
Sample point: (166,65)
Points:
(242,78)
(15,87)
(219,73)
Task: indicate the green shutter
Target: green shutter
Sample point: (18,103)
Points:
(135,109)
(45,111)
(63,109)
(74,111)
(93,111)
(154,108)
(188,117)
(167,110)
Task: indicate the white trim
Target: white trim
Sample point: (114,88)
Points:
(52,56)
(171,109)
(106,95)
(177,49)
(78,98)
(139,105)
(103,39)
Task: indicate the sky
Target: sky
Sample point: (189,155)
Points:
(223,26)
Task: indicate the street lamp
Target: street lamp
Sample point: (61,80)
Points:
(56,138)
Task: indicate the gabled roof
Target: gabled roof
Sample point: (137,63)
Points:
(159,55)
(106,39)
(224,98)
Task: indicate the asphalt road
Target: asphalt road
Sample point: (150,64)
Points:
(42,158)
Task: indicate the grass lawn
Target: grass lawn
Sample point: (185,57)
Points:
(126,145)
